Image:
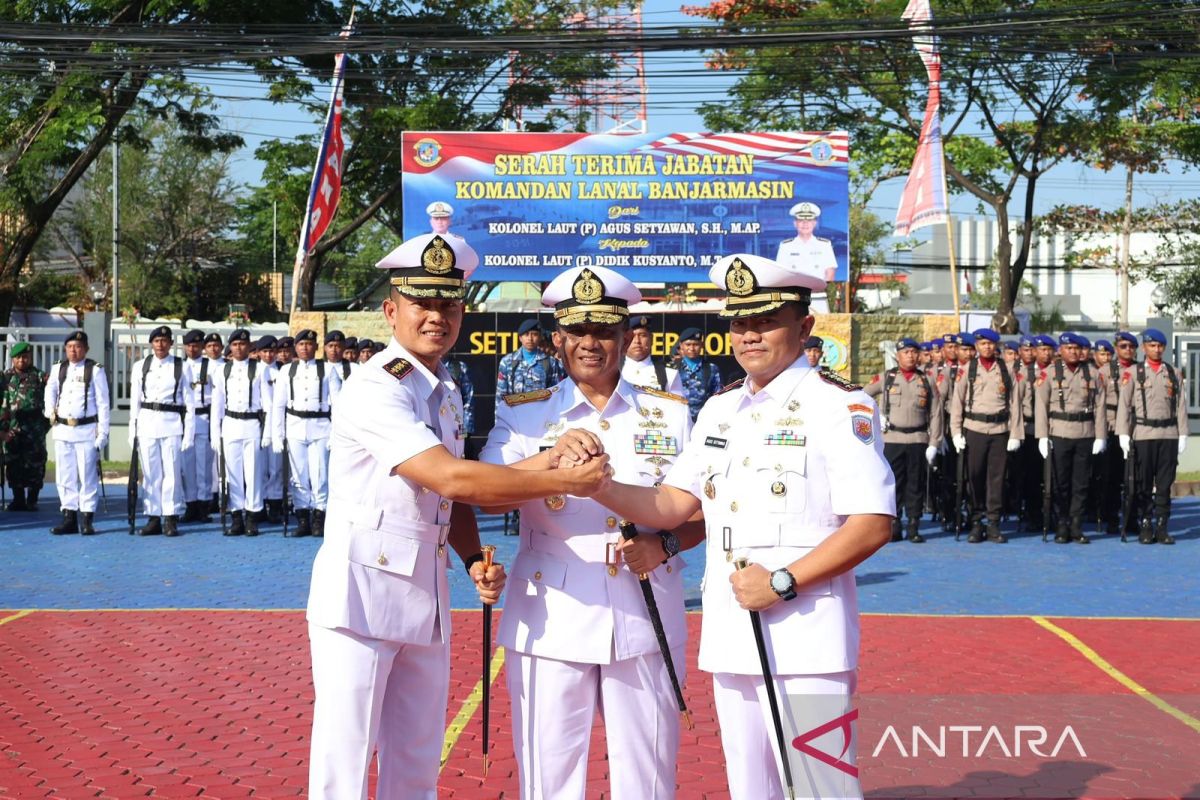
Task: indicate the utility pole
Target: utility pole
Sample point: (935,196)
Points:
(116,228)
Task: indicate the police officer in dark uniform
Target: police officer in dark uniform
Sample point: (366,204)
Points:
(910,409)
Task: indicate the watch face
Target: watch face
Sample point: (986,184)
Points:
(781,580)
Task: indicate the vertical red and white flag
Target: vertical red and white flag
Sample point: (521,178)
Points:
(923,201)
(326,187)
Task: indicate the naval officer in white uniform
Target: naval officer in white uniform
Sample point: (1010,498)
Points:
(575,625)
(378,609)
(239,428)
(159,399)
(198,461)
(640,367)
(808,253)
(788,468)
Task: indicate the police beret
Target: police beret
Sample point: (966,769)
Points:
(1067,337)
(285,341)
(755,285)
(949,338)
(1126,336)
(964,339)
(927,346)
(366,344)
(306,335)
(379,347)
(1084,341)
(526,326)
(76,336)
(334,336)
(18,349)
(212,337)
(1011,346)
(1105,345)
(1028,341)
(906,343)
(267,342)
(594,295)
(162,331)
(691,333)
(1154,335)
(240,335)
(194,336)
(1045,341)
(351,342)
(813,341)
(935,344)
(986,333)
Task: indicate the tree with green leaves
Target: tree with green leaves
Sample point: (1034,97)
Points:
(67,93)
(1018,84)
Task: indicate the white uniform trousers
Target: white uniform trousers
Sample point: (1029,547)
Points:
(374,693)
(162,475)
(748,735)
(553,705)
(198,470)
(75,475)
(272,473)
(309,465)
(243,474)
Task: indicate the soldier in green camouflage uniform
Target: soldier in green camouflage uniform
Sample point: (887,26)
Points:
(23,428)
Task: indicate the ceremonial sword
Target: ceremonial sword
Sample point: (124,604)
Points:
(489,551)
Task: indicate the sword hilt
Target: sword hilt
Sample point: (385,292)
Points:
(629,531)
(741,563)
(489,553)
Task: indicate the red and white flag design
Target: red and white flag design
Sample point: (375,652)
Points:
(923,201)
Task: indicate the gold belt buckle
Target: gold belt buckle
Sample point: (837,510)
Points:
(612,558)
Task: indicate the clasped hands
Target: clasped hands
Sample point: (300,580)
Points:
(580,449)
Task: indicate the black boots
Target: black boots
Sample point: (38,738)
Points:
(274,509)
(197,511)
(18,500)
(237,526)
(153,527)
(31,497)
(251,523)
(319,522)
(303,522)
(976,534)
(171,525)
(1160,531)
(912,534)
(993,532)
(896,535)
(1077,533)
(69,524)
(86,526)
(1146,534)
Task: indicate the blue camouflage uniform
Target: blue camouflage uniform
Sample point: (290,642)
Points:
(462,376)
(517,374)
(701,380)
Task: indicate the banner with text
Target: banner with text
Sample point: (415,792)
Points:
(657,208)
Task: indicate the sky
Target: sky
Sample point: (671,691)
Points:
(676,86)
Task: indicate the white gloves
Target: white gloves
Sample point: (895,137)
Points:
(1014,445)
(1098,446)
(132,434)
(1124,439)
(189,442)
(1182,444)
(277,446)
(266,441)
(102,442)
(1044,447)
(930,454)
(960,443)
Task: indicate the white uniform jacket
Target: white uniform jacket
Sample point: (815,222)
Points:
(303,395)
(155,395)
(237,392)
(814,257)
(641,373)
(203,385)
(564,601)
(76,402)
(381,571)
(777,472)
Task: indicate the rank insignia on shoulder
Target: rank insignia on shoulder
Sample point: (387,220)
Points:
(837,380)
(860,407)
(731,386)
(398,368)
(527,397)
(654,390)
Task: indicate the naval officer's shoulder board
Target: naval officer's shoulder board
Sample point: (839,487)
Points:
(833,379)
(661,393)
(520,398)
(729,387)
(398,368)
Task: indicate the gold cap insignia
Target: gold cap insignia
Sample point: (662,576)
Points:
(739,280)
(438,257)
(587,288)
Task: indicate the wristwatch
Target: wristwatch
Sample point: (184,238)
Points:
(670,544)
(783,583)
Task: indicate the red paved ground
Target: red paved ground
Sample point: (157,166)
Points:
(217,704)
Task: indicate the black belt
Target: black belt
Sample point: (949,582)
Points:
(308,414)
(168,407)
(907,429)
(1028,420)
(1110,407)
(989,418)
(1067,416)
(257,415)
(1169,422)
(71,423)
(202,411)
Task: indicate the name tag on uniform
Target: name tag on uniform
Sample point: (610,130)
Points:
(785,438)
(654,443)
(713,441)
